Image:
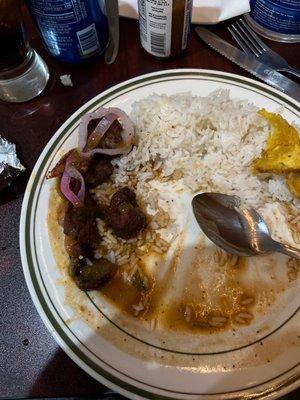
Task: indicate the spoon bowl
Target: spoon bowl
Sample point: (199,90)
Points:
(235,228)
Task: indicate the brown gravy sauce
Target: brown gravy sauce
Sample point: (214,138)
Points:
(231,303)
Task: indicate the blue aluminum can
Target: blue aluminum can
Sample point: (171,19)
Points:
(276,19)
(72,30)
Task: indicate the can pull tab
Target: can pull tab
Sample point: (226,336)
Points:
(112,13)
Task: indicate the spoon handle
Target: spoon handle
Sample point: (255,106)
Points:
(288,250)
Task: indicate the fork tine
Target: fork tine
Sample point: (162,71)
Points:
(251,40)
(254,35)
(246,42)
(239,41)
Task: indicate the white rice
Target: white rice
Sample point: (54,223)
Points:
(206,143)
(192,144)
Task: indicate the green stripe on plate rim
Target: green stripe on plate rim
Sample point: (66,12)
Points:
(48,316)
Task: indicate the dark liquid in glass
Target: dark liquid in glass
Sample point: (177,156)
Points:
(13,45)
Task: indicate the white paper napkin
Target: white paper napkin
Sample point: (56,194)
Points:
(204,11)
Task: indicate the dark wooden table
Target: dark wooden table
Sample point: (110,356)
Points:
(31,363)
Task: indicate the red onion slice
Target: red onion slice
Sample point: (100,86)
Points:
(71,171)
(77,199)
(100,130)
(127,132)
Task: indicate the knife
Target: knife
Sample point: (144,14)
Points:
(250,63)
(112,13)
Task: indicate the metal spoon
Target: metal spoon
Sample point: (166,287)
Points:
(112,12)
(235,228)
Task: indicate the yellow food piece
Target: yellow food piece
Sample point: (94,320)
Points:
(282,154)
(293,183)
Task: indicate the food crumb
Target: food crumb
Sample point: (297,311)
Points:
(25,342)
(66,80)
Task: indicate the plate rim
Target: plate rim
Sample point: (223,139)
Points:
(184,73)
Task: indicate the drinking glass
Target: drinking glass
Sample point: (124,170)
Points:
(23,73)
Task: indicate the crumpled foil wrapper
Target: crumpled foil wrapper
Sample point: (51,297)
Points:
(10,166)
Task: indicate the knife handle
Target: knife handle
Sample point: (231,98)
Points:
(290,70)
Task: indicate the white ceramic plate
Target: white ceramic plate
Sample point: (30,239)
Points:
(261,363)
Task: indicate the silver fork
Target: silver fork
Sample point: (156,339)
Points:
(252,44)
